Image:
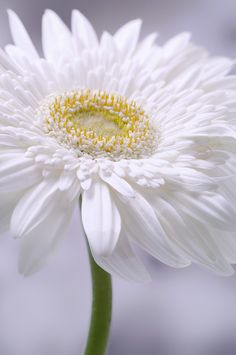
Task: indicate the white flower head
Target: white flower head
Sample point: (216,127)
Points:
(144,135)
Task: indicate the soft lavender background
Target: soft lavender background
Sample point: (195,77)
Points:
(183,312)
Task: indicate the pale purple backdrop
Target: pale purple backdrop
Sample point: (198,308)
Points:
(183,312)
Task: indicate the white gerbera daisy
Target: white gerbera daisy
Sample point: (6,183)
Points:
(144,134)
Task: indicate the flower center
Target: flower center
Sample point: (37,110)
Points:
(98,124)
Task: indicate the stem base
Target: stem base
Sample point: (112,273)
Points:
(101,310)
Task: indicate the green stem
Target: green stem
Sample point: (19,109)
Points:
(101,310)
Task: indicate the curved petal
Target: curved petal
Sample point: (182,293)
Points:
(8,202)
(126,38)
(189,235)
(34,207)
(6,63)
(18,55)
(107,42)
(18,174)
(220,264)
(124,262)
(176,44)
(226,242)
(20,36)
(40,243)
(56,37)
(83,31)
(144,228)
(119,184)
(101,219)
(216,68)
(213,209)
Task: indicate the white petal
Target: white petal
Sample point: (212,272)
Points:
(18,174)
(124,262)
(107,42)
(217,68)
(83,30)
(21,37)
(119,184)
(17,54)
(56,37)
(101,219)
(220,264)
(196,242)
(7,64)
(142,225)
(176,45)
(188,80)
(226,242)
(126,38)
(38,245)
(66,180)
(34,207)
(8,202)
(146,48)
(211,209)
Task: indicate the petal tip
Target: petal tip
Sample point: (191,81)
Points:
(10,12)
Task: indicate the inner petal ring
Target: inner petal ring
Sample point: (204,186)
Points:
(98,124)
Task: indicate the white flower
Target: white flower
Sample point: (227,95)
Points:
(144,134)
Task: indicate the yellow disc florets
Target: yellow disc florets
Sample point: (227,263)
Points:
(98,124)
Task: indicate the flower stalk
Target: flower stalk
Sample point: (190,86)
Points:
(101,310)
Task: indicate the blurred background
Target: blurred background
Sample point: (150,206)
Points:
(182,312)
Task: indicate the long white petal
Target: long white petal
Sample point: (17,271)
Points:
(176,45)
(38,245)
(126,38)
(195,241)
(101,219)
(8,201)
(213,209)
(83,30)
(124,262)
(146,48)
(18,55)
(20,36)
(119,184)
(56,37)
(220,264)
(226,242)
(142,225)
(15,176)
(34,207)
(6,63)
